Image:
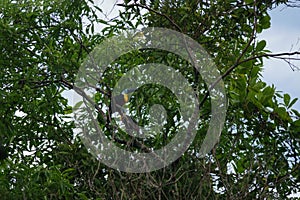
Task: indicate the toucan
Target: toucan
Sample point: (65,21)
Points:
(121,99)
(117,103)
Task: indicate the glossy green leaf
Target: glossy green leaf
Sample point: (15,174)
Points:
(286,99)
(292,102)
(261,45)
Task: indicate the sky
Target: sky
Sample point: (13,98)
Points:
(283,36)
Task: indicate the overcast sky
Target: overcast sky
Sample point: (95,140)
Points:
(283,36)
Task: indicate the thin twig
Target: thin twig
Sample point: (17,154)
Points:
(152,10)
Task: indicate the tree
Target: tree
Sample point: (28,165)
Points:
(43,44)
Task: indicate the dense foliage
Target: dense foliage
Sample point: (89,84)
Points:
(43,43)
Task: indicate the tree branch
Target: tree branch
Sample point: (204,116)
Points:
(154,11)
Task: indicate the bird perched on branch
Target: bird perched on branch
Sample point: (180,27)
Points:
(120,100)
(116,106)
(123,98)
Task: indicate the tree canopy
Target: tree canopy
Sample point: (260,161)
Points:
(43,43)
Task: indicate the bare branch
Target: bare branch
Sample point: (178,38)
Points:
(293,4)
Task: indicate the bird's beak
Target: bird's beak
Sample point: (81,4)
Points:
(126,98)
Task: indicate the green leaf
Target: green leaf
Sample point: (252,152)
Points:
(255,71)
(296,112)
(68,110)
(265,22)
(261,45)
(77,105)
(249,1)
(82,196)
(293,102)
(281,111)
(286,99)
(297,123)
